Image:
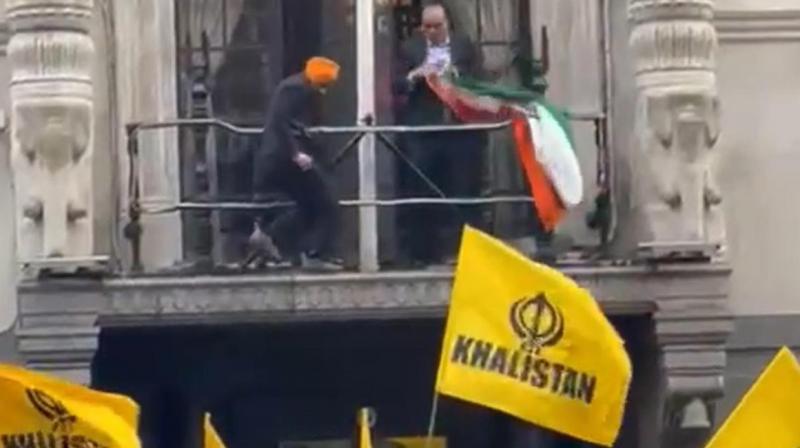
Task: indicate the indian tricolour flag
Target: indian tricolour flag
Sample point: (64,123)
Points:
(542,136)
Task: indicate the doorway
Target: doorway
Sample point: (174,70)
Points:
(270,384)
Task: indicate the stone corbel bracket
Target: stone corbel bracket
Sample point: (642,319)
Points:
(693,322)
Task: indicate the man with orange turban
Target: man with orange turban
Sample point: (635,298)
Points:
(285,164)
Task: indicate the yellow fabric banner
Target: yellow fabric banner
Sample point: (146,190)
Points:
(767,416)
(210,437)
(364,433)
(42,411)
(524,339)
(419,442)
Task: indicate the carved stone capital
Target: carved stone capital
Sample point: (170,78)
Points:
(40,15)
(674,44)
(52,117)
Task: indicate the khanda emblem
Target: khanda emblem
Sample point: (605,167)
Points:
(537,322)
(52,409)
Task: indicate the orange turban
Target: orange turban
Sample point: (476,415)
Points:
(321,71)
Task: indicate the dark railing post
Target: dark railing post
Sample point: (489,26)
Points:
(133,230)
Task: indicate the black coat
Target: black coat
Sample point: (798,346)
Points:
(288,113)
(422,106)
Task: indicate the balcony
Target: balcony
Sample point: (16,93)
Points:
(186,206)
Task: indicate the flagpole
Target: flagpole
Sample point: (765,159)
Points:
(432,421)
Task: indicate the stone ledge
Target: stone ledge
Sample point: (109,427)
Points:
(287,297)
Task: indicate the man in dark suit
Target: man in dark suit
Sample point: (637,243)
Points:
(286,164)
(453,160)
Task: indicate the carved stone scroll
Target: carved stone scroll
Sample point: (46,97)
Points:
(674,44)
(51,56)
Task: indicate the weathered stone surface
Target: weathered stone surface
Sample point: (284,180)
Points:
(674,46)
(52,100)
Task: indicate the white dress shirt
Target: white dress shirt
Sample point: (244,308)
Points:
(439,56)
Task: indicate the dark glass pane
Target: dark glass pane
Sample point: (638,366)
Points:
(231,55)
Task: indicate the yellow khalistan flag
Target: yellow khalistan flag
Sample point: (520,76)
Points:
(364,433)
(38,410)
(210,437)
(767,416)
(526,340)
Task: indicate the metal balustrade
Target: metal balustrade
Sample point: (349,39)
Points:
(137,208)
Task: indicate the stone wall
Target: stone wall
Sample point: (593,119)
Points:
(750,348)
(760,90)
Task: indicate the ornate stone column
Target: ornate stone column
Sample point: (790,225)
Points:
(8,270)
(51,55)
(674,44)
(52,120)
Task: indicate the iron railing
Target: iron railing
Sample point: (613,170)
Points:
(133,231)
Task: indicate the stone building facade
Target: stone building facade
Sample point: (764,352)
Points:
(700,95)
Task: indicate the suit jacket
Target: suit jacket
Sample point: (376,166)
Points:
(422,105)
(288,113)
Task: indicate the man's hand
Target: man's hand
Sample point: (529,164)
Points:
(303,160)
(421,72)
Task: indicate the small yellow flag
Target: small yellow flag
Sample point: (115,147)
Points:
(364,433)
(419,442)
(526,340)
(210,437)
(39,410)
(767,416)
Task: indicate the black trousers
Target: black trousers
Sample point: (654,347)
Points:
(312,225)
(454,162)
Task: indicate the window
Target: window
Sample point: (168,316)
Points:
(568,36)
(233,52)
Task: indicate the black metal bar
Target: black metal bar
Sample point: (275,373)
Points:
(478,21)
(133,230)
(402,156)
(348,147)
(430,183)
(225,23)
(188,122)
(261,206)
